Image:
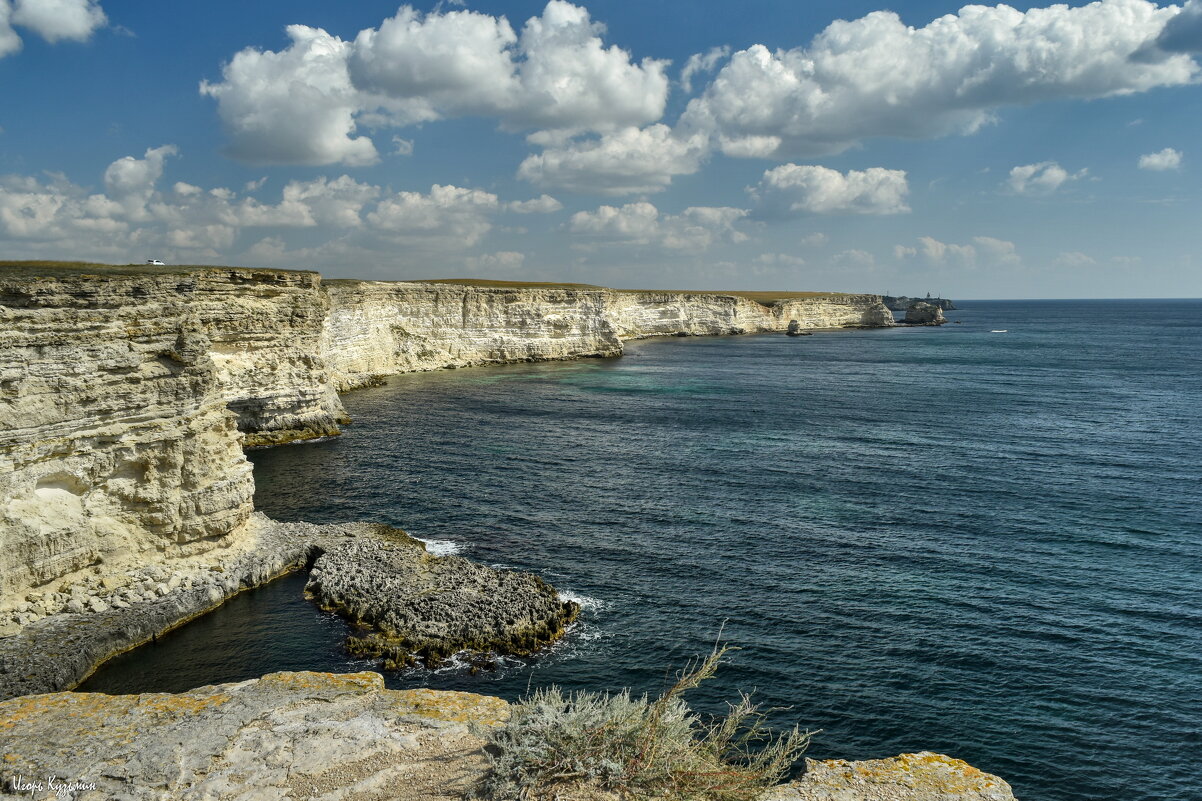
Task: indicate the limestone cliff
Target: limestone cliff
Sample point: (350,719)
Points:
(122,401)
(383,328)
(637,314)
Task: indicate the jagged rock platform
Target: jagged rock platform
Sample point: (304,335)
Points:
(417,607)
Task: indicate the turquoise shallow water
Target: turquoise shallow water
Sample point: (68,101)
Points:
(982,544)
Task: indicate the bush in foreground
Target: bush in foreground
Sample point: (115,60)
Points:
(637,748)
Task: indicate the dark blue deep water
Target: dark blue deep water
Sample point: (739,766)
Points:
(988,545)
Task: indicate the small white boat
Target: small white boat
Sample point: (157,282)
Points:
(1000,331)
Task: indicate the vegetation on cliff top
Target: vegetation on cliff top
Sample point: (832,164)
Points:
(74,269)
(68,269)
(766,298)
(637,747)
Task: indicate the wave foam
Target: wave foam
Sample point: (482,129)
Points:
(442,547)
(584,601)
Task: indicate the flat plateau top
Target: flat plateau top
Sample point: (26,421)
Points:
(766,297)
(69,269)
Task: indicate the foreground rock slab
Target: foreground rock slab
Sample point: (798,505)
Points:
(925,776)
(344,737)
(285,735)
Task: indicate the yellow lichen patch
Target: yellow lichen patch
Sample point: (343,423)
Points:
(922,771)
(458,707)
(364,682)
(182,705)
(29,708)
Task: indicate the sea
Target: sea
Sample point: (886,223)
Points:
(983,539)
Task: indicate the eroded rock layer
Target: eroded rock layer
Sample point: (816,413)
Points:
(380,328)
(925,776)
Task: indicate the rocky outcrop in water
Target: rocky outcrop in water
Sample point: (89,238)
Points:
(415,607)
(924,314)
(341,738)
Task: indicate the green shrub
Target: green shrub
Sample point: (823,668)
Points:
(637,748)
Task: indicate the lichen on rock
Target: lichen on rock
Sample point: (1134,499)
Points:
(285,735)
(924,776)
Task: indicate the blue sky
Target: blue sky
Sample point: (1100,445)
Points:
(977,151)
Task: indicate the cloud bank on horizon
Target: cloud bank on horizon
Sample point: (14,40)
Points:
(865,130)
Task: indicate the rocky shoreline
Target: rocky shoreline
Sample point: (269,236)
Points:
(410,606)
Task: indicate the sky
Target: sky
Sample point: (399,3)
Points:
(1025,151)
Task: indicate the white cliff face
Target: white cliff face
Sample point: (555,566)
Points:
(266,329)
(645,313)
(115,440)
(121,399)
(376,328)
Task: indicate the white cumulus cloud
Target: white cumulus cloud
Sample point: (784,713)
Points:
(793,189)
(344,221)
(628,161)
(696,228)
(982,251)
(1073,259)
(10,42)
(876,76)
(302,105)
(543,204)
(296,106)
(700,63)
(59,19)
(1167,159)
(1043,178)
(53,20)
(448,217)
